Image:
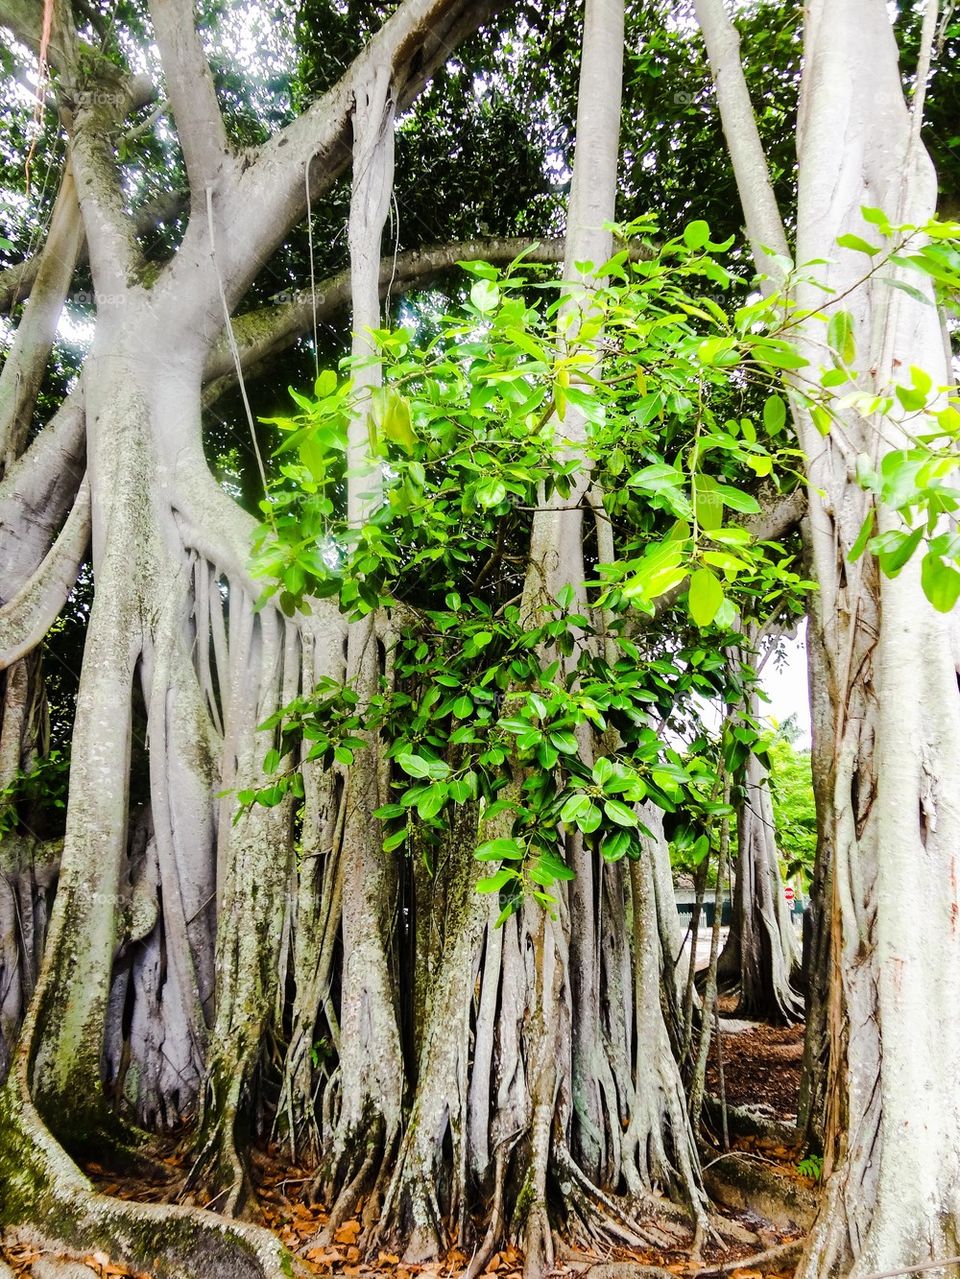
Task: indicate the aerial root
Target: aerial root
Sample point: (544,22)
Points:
(782,1257)
(621,1270)
(219,1167)
(354,1168)
(496,1227)
(606,1218)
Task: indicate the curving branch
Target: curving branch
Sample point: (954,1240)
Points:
(271,195)
(37,493)
(777,516)
(26,364)
(764,224)
(200,127)
(25,620)
(95,96)
(17,281)
(262,333)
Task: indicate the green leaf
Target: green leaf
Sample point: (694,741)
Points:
(709,506)
(821,419)
(493,883)
(397,423)
(496,850)
(325,385)
(720,352)
(860,545)
(388,811)
(417,766)
(737,500)
(857,243)
(909,289)
(940,582)
(590,819)
(485,296)
(573,807)
(778,353)
(432,800)
(696,234)
(271,761)
(462,707)
(614,846)
(459,791)
(840,336)
(704,597)
(774,414)
(491,492)
(566,597)
(603,770)
(620,812)
(894,548)
(548,869)
(876,217)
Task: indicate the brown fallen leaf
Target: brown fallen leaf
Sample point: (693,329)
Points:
(348,1232)
(322,1256)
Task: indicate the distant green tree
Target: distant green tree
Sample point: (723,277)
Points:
(793,808)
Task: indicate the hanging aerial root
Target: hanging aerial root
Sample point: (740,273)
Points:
(495,1228)
(48,1202)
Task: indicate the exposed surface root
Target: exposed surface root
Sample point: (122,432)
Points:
(783,1257)
(624,1270)
(49,1202)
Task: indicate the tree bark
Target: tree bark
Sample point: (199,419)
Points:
(892,1165)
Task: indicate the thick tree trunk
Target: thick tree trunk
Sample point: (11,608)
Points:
(371,1064)
(893,1132)
(544,1072)
(762,939)
(135,893)
(886,713)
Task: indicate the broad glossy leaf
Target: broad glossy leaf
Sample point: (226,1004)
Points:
(704,597)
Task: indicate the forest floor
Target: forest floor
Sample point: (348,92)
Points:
(761,1070)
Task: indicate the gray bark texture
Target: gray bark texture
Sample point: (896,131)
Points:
(539,1073)
(886,702)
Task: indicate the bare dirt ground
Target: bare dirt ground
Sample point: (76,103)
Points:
(761,1067)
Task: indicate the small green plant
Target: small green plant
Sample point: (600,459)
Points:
(45,784)
(811,1167)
